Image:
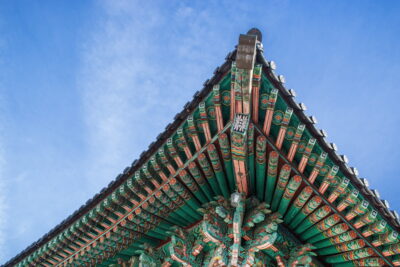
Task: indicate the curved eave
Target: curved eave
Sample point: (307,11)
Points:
(339,160)
(180,119)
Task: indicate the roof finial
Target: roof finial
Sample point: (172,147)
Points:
(256,32)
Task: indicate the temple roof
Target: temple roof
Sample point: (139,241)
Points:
(191,139)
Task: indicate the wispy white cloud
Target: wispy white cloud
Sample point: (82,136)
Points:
(118,90)
(140,66)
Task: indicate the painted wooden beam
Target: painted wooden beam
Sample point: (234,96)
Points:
(333,231)
(250,158)
(290,190)
(272,172)
(261,148)
(270,111)
(297,204)
(349,256)
(217,106)
(280,186)
(311,205)
(218,170)
(256,91)
(283,128)
(295,143)
(225,149)
(239,151)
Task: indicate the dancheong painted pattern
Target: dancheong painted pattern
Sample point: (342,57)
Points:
(241,178)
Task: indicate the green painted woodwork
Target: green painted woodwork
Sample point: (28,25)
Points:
(218,170)
(192,186)
(251,157)
(311,205)
(392,249)
(272,171)
(298,203)
(280,187)
(226,155)
(349,256)
(199,178)
(175,209)
(312,219)
(321,226)
(389,237)
(366,219)
(333,231)
(290,190)
(337,239)
(371,261)
(209,174)
(261,146)
(344,247)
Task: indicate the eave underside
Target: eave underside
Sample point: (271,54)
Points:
(321,201)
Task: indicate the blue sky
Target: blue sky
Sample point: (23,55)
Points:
(85,86)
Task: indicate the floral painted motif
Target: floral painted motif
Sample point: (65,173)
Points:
(278,117)
(226,98)
(290,133)
(264,101)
